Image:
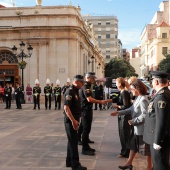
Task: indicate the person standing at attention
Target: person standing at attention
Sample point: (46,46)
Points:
(157,123)
(72,112)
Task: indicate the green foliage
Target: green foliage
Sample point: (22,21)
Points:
(164,64)
(118,67)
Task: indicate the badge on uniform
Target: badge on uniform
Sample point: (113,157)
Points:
(76,97)
(68,97)
(150,107)
(87,90)
(161,104)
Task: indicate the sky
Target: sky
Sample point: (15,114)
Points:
(133,15)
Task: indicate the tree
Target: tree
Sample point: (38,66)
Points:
(164,64)
(119,67)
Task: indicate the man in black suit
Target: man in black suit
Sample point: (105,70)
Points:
(157,122)
(8,91)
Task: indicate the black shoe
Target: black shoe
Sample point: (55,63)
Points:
(34,108)
(6,107)
(90,141)
(49,108)
(130,167)
(91,149)
(45,108)
(79,168)
(79,142)
(95,109)
(39,108)
(68,164)
(88,152)
(55,108)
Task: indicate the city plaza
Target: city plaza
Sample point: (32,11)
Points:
(36,140)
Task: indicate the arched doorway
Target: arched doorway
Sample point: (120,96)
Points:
(9,71)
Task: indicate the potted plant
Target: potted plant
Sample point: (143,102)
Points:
(22,64)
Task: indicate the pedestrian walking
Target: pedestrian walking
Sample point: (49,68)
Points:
(8,91)
(72,112)
(157,123)
(47,92)
(36,94)
(57,95)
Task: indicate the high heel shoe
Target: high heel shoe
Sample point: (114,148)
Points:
(130,167)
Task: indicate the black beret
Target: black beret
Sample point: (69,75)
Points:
(91,74)
(79,78)
(159,74)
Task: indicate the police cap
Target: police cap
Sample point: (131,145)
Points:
(78,78)
(159,74)
(91,74)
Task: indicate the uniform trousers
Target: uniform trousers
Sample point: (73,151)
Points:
(124,134)
(48,99)
(8,101)
(161,158)
(36,101)
(18,102)
(72,145)
(58,101)
(87,117)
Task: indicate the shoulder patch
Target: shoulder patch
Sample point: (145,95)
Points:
(161,92)
(87,90)
(162,104)
(68,97)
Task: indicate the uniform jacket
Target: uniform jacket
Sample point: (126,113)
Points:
(138,111)
(157,124)
(98,91)
(8,91)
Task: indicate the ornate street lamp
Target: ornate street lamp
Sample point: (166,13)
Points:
(22,64)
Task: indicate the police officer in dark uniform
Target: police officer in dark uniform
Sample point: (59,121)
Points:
(157,122)
(47,92)
(98,93)
(87,112)
(18,93)
(8,91)
(57,95)
(72,112)
(36,94)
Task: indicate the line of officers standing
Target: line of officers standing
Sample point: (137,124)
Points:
(48,92)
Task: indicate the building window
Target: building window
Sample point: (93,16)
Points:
(116,36)
(164,50)
(99,23)
(164,35)
(107,29)
(99,36)
(99,29)
(107,22)
(107,35)
(107,50)
(107,56)
(107,43)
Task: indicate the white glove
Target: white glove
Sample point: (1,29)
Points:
(156,147)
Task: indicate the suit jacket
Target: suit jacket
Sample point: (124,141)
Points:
(138,111)
(157,124)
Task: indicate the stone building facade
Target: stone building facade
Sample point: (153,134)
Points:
(63,45)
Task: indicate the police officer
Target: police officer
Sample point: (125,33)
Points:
(36,94)
(8,91)
(18,93)
(98,93)
(72,112)
(47,92)
(57,95)
(157,122)
(66,86)
(87,112)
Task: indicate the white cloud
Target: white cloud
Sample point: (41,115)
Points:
(6,3)
(130,38)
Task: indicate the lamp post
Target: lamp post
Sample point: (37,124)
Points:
(4,79)
(21,56)
(92,61)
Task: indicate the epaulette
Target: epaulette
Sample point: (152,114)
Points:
(161,92)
